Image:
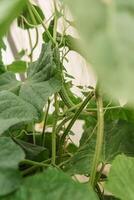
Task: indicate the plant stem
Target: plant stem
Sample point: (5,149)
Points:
(34,135)
(25,20)
(30,43)
(64,96)
(99,173)
(55,23)
(54,130)
(31,13)
(37,36)
(99,140)
(33,10)
(58,129)
(45,122)
(76,115)
(36,42)
(31,169)
(31,162)
(104,108)
(72,109)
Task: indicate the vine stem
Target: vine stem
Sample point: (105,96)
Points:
(65,97)
(74,118)
(34,167)
(33,10)
(30,43)
(100,134)
(45,121)
(104,108)
(54,130)
(36,42)
(55,23)
(59,127)
(34,163)
(76,115)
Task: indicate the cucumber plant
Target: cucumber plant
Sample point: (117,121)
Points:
(46,163)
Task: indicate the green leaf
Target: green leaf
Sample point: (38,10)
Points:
(106,29)
(33,152)
(128,113)
(52,184)
(10,156)
(120,133)
(14,110)
(44,79)
(8,82)
(9,10)
(22,23)
(114,111)
(17,67)
(121,178)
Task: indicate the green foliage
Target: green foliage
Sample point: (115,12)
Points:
(14,110)
(43,79)
(120,133)
(8,82)
(120,179)
(32,151)
(52,184)
(10,156)
(38,108)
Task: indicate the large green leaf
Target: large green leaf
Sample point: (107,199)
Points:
(43,79)
(10,156)
(8,11)
(106,29)
(120,133)
(8,82)
(32,151)
(121,178)
(14,110)
(52,184)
